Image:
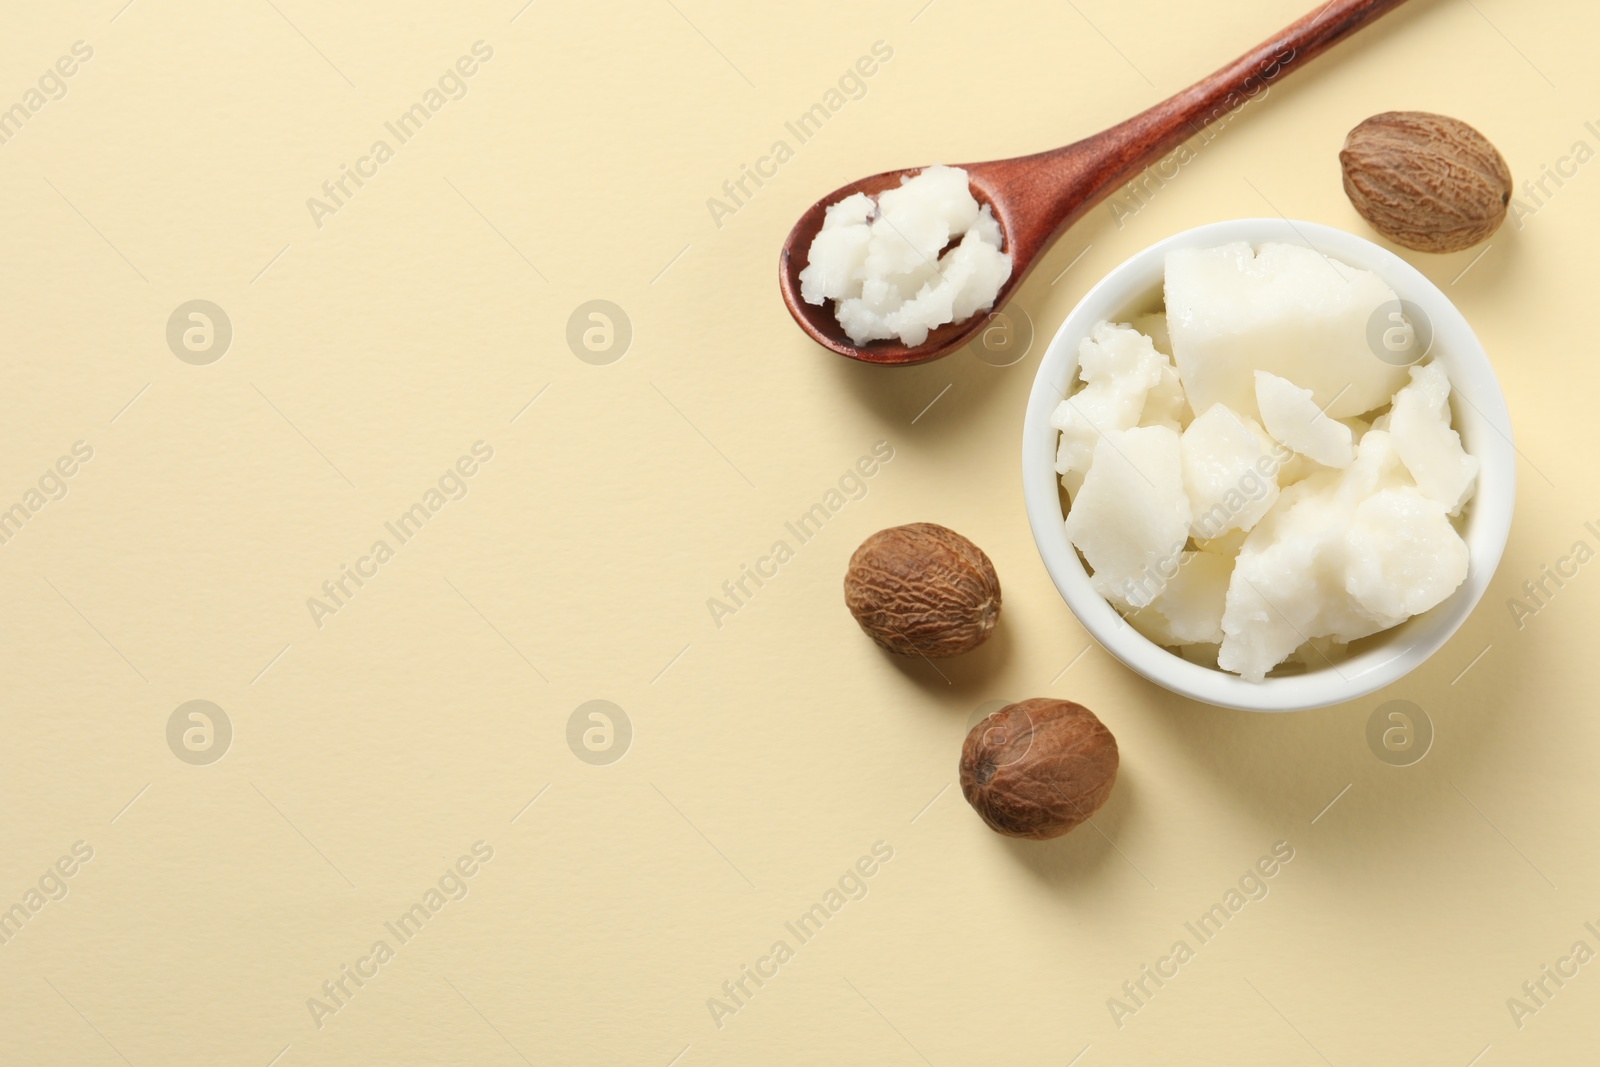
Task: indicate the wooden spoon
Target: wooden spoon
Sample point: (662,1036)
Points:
(1036,197)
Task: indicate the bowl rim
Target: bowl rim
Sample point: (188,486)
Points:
(1480,416)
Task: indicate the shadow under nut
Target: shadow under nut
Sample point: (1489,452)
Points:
(922,589)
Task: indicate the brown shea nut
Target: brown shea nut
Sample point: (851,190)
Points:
(1038,768)
(923,590)
(1425,181)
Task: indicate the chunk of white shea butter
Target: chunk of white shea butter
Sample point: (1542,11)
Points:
(1120,369)
(880,261)
(1131,518)
(1404,557)
(1292,417)
(1376,467)
(1232,311)
(1317,564)
(839,251)
(1188,610)
(1419,422)
(1229,472)
(1281,581)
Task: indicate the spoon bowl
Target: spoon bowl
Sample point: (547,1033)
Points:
(1036,197)
(818,320)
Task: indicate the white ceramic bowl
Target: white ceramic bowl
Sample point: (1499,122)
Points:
(1480,416)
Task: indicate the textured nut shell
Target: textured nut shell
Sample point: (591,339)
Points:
(1038,768)
(923,589)
(1425,181)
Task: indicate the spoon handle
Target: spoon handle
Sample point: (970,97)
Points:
(1073,179)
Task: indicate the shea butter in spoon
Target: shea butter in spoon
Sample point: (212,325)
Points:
(921,255)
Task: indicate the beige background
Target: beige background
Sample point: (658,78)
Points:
(768,754)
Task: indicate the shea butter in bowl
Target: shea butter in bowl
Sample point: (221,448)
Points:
(1322,524)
